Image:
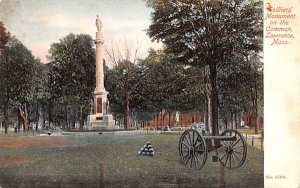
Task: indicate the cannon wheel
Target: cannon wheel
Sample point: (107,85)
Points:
(235,152)
(192,149)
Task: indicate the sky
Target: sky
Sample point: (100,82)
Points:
(39,23)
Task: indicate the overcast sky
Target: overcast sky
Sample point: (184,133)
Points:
(39,23)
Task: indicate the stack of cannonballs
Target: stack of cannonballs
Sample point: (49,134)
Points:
(147,150)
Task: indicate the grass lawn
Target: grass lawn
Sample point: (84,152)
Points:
(73,161)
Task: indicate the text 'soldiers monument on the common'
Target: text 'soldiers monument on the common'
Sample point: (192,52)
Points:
(100,118)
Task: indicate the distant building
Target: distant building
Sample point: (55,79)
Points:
(249,120)
(184,119)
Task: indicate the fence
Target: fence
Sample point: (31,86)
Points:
(256,141)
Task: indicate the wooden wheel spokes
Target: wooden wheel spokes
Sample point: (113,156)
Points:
(235,152)
(192,149)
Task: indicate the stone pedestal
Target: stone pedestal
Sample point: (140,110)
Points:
(100,119)
(105,122)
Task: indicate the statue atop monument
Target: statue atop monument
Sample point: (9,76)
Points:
(98,23)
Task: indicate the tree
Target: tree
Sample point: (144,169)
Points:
(120,87)
(152,85)
(233,93)
(241,86)
(71,78)
(165,86)
(199,33)
(16,67)
(256,86)
(40,93)
(4,36)
(152,89)
(124,61)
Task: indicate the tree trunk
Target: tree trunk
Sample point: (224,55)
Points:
(5,114)
(255,110)
(50,109)
(19,122)
(24,115)
(81,118)
(119,121)
(157,120)
(170,119)
(206,114)
(126,115)
(239,120)
(37,117)
(226,123)
(44,115)
(161,120)
(235,120)
(231,119)
(214,99)
(67,117)
(207,101)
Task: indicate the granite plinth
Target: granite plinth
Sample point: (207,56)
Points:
(96,122)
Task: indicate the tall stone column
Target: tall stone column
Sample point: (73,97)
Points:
(100,119)
(100,94)
(99,62)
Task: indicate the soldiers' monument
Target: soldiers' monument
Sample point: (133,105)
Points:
(99,117)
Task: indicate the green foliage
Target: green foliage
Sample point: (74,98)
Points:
(115,85)
(240,83)
(20,78)
(200,33)
(16,69)
(155,84)
(72,76)
(72,66)
(205,32)
(152,86)
(167,86)
(237,81)
(40,80)
(40,91)
(120,84)
(4,36)
(17,64)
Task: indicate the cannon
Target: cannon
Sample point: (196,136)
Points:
(230,148)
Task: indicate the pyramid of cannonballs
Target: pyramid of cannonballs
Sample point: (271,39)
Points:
(147,150)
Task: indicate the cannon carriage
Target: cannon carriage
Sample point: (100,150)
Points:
(230,148)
